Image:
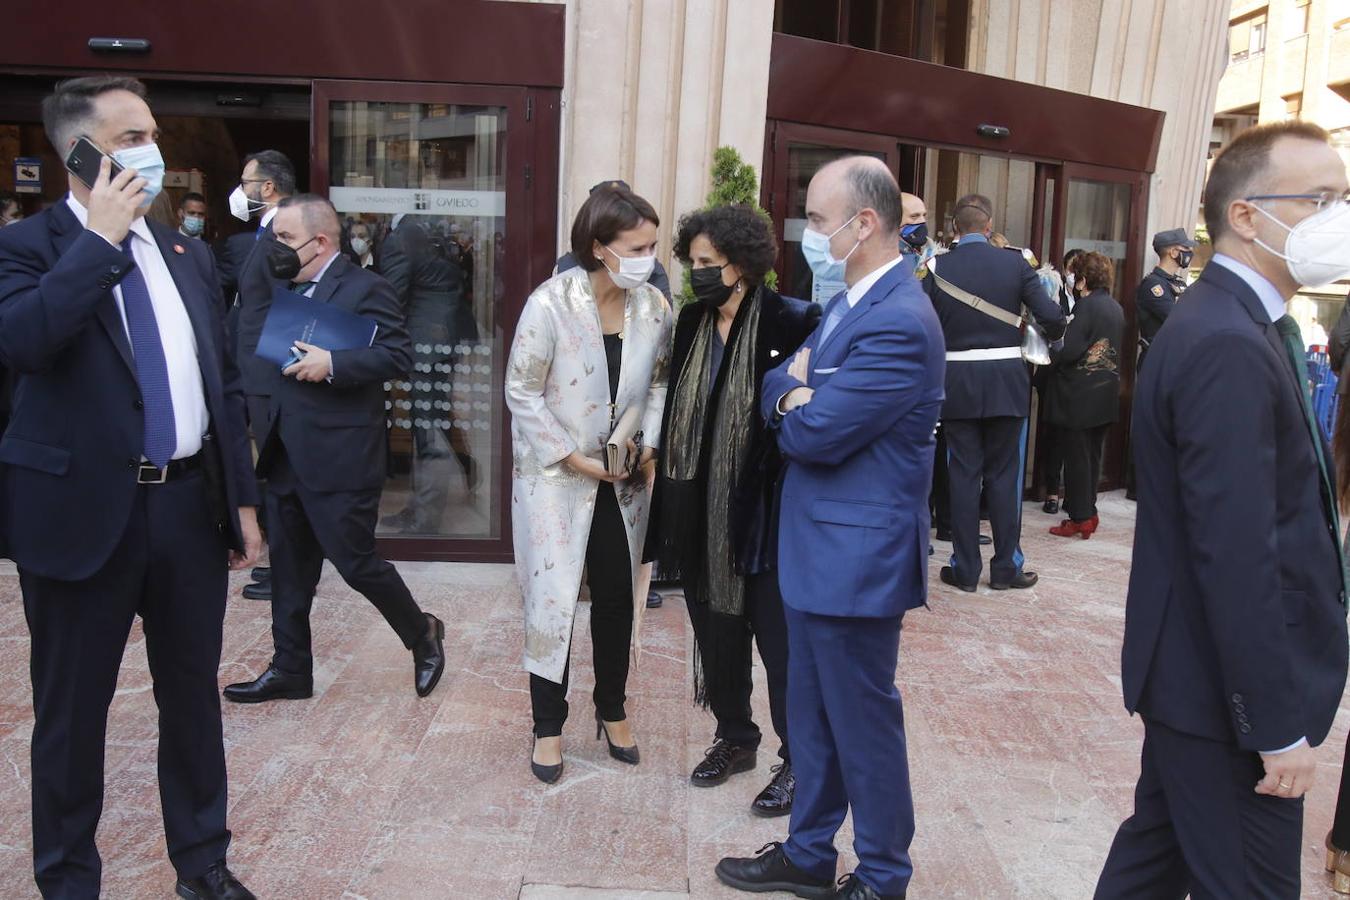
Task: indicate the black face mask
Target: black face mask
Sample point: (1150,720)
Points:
(708,286)
(284,262)
(915,235)
(1184,258)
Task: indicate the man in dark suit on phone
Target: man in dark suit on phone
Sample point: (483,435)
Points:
(126,486)
(323,456)
(1235,633)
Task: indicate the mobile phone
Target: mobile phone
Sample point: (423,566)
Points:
(296,356)
(84,160)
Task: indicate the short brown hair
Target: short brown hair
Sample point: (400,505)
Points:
(1239,167)
(68,110)
(608,211)
(973,212)
(1094,270)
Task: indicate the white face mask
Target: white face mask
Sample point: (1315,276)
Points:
(1317,250)
(633,270)
(242,207)
(360,246)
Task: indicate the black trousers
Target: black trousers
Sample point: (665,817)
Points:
(1082,469)
(308,527)
(1340,823)
(985,453)
(609,574)
(765,623)
(1198,827)
(1053,441)
(169,569)
(939,497)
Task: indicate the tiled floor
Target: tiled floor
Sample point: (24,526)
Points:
(1023,759)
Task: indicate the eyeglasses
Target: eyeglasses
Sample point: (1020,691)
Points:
(254,180)
(1322,199)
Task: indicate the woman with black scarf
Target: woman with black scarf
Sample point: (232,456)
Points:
(714,514)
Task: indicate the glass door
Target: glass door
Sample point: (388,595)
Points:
(1104,209)
(794,154)
(428,182)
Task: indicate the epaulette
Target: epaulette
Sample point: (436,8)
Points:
(1026,254)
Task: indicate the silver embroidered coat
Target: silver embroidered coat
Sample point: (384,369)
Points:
(557,389)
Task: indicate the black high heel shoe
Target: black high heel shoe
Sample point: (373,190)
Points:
(546,774)
(628,755)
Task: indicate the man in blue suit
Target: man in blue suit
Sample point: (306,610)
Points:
(1235,633)
(854,413)
(125,479)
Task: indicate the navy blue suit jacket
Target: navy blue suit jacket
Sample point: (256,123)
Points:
(853,526)
(69,459)
(1234,628)
(989,388)
(333,431)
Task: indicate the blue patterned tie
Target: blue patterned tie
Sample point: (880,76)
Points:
(835,317)
(152,371)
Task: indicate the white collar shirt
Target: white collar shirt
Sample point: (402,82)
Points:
(190,415)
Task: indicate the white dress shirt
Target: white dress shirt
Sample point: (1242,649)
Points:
(267,217)
(190,417)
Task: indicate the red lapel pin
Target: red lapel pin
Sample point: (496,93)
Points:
(178,248)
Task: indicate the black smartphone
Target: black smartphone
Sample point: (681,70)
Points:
(84,160)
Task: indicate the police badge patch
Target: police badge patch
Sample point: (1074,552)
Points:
(1157,290)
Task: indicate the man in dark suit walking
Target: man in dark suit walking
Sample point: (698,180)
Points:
(988,400)
(323,456)
(854,411)
(267,179)
(1235,632)
(127,487)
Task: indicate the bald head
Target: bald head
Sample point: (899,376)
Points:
(317,215)
(912,209)
(864,182)
(856,202)
(308,224)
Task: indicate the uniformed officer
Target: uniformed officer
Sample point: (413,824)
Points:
(1159,290)
(979,292)
(1153,301)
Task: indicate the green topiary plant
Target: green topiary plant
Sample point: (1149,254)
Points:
(733,182)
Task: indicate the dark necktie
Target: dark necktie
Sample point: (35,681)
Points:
(1293,346)
(152,370)
(301,286)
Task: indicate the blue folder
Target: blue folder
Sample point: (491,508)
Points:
(295,317)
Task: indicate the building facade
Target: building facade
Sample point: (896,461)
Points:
(483,124)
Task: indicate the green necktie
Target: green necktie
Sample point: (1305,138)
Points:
(1293,345)
(301,286)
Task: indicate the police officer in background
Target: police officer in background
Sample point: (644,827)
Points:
(1153,302)
(1158,292)
(979,291)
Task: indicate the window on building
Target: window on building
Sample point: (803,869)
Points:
(928,30)
(1297,21)
(1257,42)
(1239,34)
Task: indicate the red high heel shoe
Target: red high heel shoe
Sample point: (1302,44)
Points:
(1069,528)
(1066,528)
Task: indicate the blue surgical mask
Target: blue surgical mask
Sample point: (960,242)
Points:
(816,249)
(148,163)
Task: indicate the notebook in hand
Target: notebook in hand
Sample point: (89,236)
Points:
(295,317)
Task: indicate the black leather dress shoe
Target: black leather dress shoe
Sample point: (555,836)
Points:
(949,577)
(273,684)
(259,591)
(216,883)
(944,534)
(776,799)
(1051,506)
(771,870)
(851,887)
(985,540)
(654,599)
(720,761)
(261,573)
(1019,581)
(429,657)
